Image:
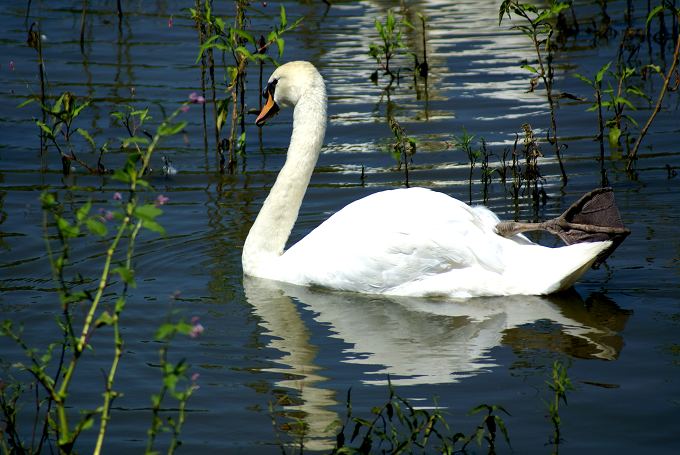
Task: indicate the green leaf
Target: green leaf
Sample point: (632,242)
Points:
(284,20)
(45,128)
(26,103)
(170,129)
(530,68)
(147,212)
(79,108)
(104,319)
(633,90)
(209,43)
(653,13)
(279,44)
(165,331)
(66,229)
(406,23)
(600,74)
(135,140)
(583,78)
(243,51)
(153,226)
(86,136)
(48,200)
(121,176)
(96,227)
(245,35)
(120,304)
(83,211)
(222,113)
(623,101)
(614,135)
(127,275)
(219,24)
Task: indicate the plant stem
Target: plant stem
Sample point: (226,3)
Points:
(547,82)
(109,394)
(632,156)
(603,171)
(82,27)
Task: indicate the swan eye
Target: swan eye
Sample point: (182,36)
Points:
(271,86)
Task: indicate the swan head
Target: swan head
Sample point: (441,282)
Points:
(286,86)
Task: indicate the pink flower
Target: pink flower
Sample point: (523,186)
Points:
(195,376)
(106,215)
(197,328)
(184,108)
(11,65)
(117,196)
(170,22)
(161,200)
(196,98)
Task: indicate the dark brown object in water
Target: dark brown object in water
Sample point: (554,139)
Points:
(593,218)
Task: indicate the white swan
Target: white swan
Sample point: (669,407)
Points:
(408,242)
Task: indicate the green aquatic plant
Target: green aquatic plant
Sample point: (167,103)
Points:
(537,25)
(391,36)
(559,384)
(488,427)
(397,426)
(58,129)
(596,84)
(176,384)
(89,305)
(619,100)
(632,155)
(404,147)
(234,40)
(487,170)
(421,68)
(35,41)
(464,142)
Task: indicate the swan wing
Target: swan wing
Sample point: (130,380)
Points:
(384,241)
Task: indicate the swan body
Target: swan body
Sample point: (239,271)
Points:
(408,242)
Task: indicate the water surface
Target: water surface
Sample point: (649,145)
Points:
(617,330)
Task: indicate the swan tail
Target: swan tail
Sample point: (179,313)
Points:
(556,269)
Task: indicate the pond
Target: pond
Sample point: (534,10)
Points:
(274,362)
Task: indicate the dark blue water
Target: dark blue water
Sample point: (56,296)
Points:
(300,350)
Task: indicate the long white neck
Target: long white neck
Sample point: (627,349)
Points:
(269,234)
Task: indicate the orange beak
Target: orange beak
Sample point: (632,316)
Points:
(268,110)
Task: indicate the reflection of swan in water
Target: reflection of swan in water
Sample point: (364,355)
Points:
(420,341)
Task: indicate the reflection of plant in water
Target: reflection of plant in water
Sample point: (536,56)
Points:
(540,30)
(421,68)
